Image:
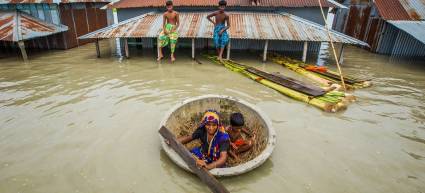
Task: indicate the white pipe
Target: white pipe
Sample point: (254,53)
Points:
(117,40)
(265,51)
(193,48)
(305,51)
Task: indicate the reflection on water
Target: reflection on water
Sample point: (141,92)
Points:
(73,123)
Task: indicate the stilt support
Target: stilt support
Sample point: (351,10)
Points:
(228,50)
(97,48)
(21,45)
(158,47)
(193,48)
(305,51)
(127,52)
(341,54)
(265,51)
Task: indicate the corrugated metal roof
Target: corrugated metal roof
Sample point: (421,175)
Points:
(414,28)
(16,26)
(52,1)
(209,3)
(401,9)
(244,25)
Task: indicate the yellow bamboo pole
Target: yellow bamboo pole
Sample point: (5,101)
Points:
(332,45)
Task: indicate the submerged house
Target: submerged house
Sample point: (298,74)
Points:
(49,24)
(280,25)
(391,27)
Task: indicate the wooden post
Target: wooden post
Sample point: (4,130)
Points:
(202,173)
(228,50)
(265,51)
(127,52)
(158,47)
(305,51)
(21,45)
(341,54)
(193,48)
(97,48)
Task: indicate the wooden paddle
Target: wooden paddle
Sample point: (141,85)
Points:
(202,173)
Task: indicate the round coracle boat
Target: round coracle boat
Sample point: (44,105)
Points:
(185,117)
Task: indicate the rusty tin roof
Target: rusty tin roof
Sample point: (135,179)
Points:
(52,1)
(401,9)
(210,3)
(16,26)
(244,25)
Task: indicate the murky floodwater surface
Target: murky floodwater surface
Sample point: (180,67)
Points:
(70,122)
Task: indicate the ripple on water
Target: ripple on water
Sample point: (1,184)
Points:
(70,121)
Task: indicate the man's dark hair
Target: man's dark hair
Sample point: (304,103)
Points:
(237,120)
(168,3)
(222,3)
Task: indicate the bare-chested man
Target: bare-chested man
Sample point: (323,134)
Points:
(169,33)
(221,25)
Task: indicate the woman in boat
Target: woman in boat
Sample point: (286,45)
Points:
(215,142)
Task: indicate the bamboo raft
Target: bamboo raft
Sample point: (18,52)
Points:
(327,78)
(328,101)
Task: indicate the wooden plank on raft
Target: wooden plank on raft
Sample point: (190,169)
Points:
(337,77)
(289,83)
(202,173)
(334,76)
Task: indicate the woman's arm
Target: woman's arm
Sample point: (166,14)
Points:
(185,139)
(218,163)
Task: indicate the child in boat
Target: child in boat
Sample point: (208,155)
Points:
(221,25)
(214,142)
(169,33)
(237,142)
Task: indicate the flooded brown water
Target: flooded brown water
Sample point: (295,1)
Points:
(70,122)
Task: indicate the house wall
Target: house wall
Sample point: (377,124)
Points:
(399,43)
(81,18)
(362,21)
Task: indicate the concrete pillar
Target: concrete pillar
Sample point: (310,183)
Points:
(265,51)
(305,52)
